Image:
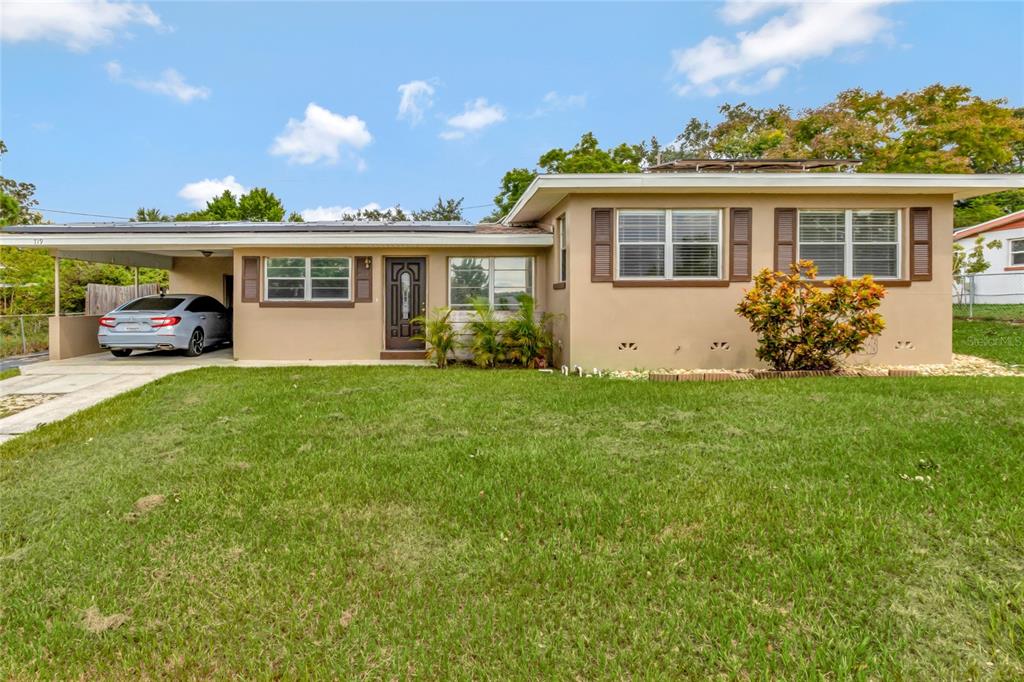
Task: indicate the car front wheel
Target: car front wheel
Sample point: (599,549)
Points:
(195,344)
(120,352)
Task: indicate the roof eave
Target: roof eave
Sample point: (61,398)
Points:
(555,187)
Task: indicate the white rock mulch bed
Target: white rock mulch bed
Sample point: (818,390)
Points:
(962,365)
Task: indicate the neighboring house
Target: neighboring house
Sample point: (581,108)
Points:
(1003,281)
(642,270)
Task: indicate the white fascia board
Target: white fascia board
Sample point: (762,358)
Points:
(135,241)
(552,188)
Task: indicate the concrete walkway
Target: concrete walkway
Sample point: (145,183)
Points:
(77,383)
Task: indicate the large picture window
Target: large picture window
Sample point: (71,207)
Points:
(672,244)
(851,242)
(308,279)
(499,281)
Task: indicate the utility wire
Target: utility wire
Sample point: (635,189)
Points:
(91,215)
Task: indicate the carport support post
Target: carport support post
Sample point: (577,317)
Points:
(136,271)
(56,286)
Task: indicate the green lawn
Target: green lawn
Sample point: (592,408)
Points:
(990,311)
(404,522)
(9,373)
(999,341)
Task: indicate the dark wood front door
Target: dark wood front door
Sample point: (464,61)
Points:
(405,299)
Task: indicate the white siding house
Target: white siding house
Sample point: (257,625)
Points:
(1003,282)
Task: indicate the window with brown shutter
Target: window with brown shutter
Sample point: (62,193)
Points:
(740,233)
(602,256)
(785,238)
(250,279)
(364,279)
(921,244)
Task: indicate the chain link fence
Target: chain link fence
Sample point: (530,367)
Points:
(23,334)
(989,296)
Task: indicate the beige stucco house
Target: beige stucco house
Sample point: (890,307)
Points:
(643,270)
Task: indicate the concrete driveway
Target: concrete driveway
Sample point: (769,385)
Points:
(53,390)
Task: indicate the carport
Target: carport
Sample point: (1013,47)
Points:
(194,265)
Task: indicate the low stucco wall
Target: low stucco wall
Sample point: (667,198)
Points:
(675,327)
(73,336)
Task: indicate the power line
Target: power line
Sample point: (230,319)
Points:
(91,215)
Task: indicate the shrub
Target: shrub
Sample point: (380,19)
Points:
(437,332)
(527,340)
(486,343)
(803,326)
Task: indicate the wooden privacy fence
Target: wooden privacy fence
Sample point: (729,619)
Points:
(100,299)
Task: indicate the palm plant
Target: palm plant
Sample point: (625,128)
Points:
(437,332)
(486,330)
(528,340)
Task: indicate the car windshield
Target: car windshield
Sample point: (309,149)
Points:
(157,303)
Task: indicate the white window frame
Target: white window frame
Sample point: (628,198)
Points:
(1010,243)
(490,278)
(563,249)
(307,280)
(848,242)
(668,244)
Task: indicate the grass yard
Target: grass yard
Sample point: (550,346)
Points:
(396,522)
(1013,312)
(999,341)
(9,373)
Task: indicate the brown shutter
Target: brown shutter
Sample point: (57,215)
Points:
(785,238)
(921,244)
(364,278)
(250,279)
(602,248)
(740,228)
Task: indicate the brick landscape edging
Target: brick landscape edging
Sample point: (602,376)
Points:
(775,374)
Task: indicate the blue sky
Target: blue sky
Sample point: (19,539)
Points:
(108,107)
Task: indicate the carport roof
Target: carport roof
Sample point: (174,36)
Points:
(227,227)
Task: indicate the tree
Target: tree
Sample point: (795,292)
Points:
(260,205)
(150,215)
(444,209)
(513,184)
(586,157)
(937,129)
(17,208)
(380,215)
(973,261)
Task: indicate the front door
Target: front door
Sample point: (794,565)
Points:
(405,299)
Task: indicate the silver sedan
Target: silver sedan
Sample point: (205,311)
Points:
(188,322)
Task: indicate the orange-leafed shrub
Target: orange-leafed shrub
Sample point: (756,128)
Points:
(801,325)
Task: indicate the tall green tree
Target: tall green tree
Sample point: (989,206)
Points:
(17,206)
(586,156)
(444,209)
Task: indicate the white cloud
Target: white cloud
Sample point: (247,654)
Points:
(335,212)
(320,135)
(477,115)
(199,192)
(759,59)
(417,96)
(77,25)
(170,83)
(554,101)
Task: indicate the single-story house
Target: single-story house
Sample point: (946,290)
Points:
(1003,280)
(642,270)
